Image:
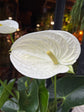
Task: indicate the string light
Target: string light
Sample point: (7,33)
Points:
(81,33)
(18,29)
(38,25)
(10,18)
(52,23)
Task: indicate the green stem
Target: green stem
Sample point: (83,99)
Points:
(55,91)
(12,38)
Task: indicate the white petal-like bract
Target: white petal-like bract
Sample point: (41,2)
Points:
(29,53)
(78,108)
(8,26)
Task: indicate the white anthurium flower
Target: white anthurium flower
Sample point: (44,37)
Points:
(8,26)
(78,108)
(44,54)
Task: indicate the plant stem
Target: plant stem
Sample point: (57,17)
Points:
(12,38)
(55,91)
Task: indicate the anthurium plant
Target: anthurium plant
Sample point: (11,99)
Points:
(39,56)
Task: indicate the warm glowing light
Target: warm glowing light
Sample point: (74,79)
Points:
(8,41)
(10,18)
(68,21)
(38,25)
(52,23)
(81,33)
(18,29)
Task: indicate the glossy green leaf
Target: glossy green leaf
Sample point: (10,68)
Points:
(21,111)
(28,100)
(1,87)
(7,91)
(71,90)
(43,99)
(21,83)
(34,98)
(82,24)
(40,82)
(43,96)
(1,90)
(10,106)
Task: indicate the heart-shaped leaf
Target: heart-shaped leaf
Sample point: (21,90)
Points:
(28,100)
(71,90)
(10,106)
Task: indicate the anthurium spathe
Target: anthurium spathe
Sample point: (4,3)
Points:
(78,108)
(44,54)
(8,26)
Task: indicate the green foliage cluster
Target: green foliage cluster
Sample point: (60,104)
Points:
(67,25)
(77,14)
(29,96)
(45,22)
(32,95)
(71,22)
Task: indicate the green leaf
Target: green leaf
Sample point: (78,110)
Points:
(6,92)
(34,98)
(71,89)
(10,106)
(1,90)
(21,111)
(28,100)
(40,82)
(43,96)
(21,83)
(82,24)
(43,99)
(1,87)
(77,14)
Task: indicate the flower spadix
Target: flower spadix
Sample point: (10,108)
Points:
(8,26)
(44,54)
